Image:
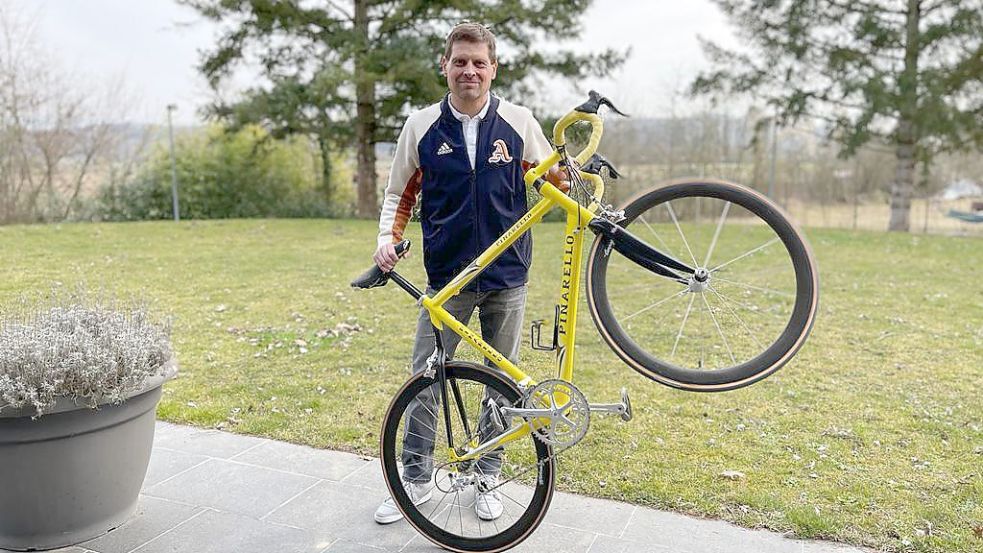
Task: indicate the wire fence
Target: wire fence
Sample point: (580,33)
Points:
(798,168)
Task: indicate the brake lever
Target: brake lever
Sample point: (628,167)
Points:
(594,103)
(598,162)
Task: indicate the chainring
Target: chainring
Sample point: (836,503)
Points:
(570,412)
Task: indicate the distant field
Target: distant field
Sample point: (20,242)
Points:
(873,435)
(930,218)
(926,216)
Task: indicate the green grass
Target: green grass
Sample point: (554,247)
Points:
(873,435)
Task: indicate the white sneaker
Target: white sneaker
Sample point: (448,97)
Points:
(389,512)
(488,504)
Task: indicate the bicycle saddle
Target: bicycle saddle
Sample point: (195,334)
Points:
(372,278)
(375,277)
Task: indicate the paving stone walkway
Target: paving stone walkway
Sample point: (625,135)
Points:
(213,492)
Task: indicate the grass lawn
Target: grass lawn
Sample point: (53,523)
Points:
(873,435)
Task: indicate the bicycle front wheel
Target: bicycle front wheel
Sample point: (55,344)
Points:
(738,318)
(445,504)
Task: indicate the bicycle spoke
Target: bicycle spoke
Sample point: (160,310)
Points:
(512,499)
(679,335)
(716,324)
(747,307)
(716,234)
(460,513)
(421,463)
(450,510)
(443,496)
(680,229)
(739,319)
(703,342)
(656,234)
(421,422)
(430,428)
(758,288)
(658,303)
(745,254)
(643,284)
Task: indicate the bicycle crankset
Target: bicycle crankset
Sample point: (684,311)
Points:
(562,407)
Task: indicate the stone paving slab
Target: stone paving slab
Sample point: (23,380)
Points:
(165,463)
(217,532)
(153,518)
(705,536)
(213,492)
(233,487)
(335,511)
(319,463)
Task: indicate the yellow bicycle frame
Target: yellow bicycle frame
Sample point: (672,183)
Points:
(577,219)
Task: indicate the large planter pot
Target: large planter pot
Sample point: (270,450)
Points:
(75,472)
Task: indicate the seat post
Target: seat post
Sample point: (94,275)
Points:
(406,285)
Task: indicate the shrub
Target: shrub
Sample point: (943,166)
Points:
(223,175)
(78,348)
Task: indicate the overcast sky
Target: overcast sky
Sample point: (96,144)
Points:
(155,44)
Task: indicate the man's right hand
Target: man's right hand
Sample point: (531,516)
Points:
(385,257)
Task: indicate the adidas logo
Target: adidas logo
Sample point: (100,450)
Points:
(444,149)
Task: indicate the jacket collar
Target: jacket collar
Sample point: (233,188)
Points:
(490,109)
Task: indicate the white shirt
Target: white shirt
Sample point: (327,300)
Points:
(471,126)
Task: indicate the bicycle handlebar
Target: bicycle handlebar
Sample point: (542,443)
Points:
(584,112)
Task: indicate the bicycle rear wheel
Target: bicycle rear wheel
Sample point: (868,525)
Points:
(739,318)
(524,467)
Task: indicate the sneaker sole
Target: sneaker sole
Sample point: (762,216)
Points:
(398,515)
(488,519)
(480,515)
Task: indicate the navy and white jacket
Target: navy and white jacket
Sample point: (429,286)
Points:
(464,210)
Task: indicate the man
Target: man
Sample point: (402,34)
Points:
(465,157)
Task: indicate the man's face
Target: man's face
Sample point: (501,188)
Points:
(469,70)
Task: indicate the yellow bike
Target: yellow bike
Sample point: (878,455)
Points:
(701,285)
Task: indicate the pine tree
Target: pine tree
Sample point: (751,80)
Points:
(346,72)
(907,72)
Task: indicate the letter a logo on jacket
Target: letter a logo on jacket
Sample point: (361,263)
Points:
(501,153)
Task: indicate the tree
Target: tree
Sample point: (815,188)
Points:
(53,132)
(347,71)
(908,72)
(223,175)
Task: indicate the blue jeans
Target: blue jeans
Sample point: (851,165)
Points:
(500,314)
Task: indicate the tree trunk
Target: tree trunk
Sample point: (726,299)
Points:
(901,189)
(324,147)
(906,134)
(364,118)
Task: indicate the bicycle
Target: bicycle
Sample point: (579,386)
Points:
(505,420)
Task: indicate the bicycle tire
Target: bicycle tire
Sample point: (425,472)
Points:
(758,216)
(424,517)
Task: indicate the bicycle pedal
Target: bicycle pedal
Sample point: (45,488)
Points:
(495,416)
(622,409)
(626,401)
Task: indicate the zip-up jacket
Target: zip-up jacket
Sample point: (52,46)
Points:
(464,210)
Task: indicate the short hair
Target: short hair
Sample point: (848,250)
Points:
(471,32)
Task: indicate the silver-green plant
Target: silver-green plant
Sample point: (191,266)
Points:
(93,350)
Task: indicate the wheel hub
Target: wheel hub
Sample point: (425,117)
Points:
(700,280)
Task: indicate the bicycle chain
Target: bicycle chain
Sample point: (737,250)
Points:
(537,466)
(536,435)
(501,483)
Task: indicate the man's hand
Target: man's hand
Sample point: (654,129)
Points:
(559,177)
(385,257)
